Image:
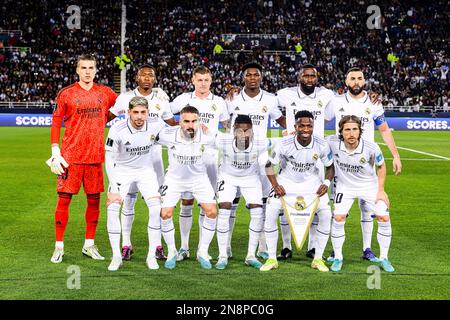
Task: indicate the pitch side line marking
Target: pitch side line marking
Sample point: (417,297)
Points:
(416,159)
(421,152)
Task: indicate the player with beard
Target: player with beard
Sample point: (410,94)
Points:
(356,102)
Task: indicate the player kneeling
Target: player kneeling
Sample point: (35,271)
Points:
(298,156)
(129,165)
(357,179)
(239,171)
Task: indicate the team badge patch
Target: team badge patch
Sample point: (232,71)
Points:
(213,107)
(152,137)
(202,148)
(158,107)
(264,109)
(315,157)
(300,203)
(368,111)
(362,160)
(320,104)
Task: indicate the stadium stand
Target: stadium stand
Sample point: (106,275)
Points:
(177,36)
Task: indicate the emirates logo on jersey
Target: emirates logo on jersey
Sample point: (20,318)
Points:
(368,111)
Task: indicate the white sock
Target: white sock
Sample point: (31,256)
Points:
(313,233)
(90,242)
(114,229)
(338,238)
(127,218)
(262,246)
(255,230)
(232,222)
(154,225)
(322,232)
(285,232)
(366,225)
(59,244)
(384,236)
(223,221)
(201,218)
(271,231)
(208,230)
(185,225)
(168,232)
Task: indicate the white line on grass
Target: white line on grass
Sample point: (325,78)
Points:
(417,159)
(421,152)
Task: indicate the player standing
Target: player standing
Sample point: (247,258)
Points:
(258,104)
(356,102)
(306,96)
(84,107)
(212,111)
(158,108)
(129,165)
(239,171)
(355,159)
(298,156)
(186,145)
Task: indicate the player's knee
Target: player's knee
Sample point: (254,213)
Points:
(383,218)
(340,218)
(210,211)
(166,213)
(225,205)
(153,202)
(187,202)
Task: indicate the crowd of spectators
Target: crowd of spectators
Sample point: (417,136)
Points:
(176,36)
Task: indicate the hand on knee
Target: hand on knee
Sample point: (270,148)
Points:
(225,205)
(340,218)
(383,218)
(113,198)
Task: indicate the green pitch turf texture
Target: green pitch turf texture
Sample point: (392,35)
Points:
(420,249)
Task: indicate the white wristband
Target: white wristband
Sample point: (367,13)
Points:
(326,182)
(55,151)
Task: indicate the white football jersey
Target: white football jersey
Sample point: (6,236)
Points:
(300,164)
(258,108)
(238,162)
(355,170)
(293,100)
(133,146)
(212,110)
(185,157)
(369,113)
(157,108)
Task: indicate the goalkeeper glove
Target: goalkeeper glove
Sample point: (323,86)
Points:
(56,162)
(160,94)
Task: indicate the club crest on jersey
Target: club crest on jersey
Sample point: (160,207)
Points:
(157,107)
(300,203)
(99,99)
(315,157)
(202,148)
(152,137)
(264,109)
(213,107)
(368,111)
(362,160)
(320,104)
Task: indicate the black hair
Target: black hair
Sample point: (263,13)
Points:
(243,118)
(189,109)
(303,114)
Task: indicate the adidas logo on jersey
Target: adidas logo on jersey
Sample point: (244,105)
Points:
(293,104)
(341,110)
(127,143)
(237,109)
(172,148)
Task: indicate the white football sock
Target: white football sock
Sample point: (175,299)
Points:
(232,222)
(201,218)
(59,244)
(114,229)
(154,225)
(168,232)
(271,231)
(262,246)
(285,232)
(255,230)
(338,238)
(322,232)
(366,225)
(127,218)
(90,242)
(185,225)
(208,230)
(384,236)
(223,221)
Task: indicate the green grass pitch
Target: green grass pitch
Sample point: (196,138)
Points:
(420,212)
